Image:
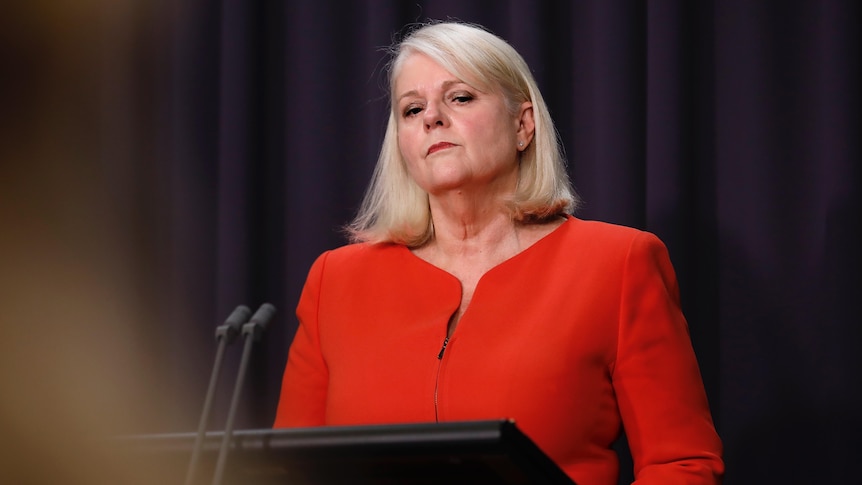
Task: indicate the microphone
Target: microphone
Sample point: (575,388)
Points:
(225,334)
(251,332)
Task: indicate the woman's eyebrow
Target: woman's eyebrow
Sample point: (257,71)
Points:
(445,85)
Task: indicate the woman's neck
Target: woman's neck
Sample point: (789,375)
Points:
(477,231)
(473,234)
(470,226)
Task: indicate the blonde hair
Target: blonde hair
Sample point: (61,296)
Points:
(395,209)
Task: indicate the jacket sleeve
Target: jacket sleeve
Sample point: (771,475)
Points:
(302,401)
(656,377)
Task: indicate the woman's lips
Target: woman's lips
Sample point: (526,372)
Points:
(439,146)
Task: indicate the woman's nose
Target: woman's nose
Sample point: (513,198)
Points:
(434,116)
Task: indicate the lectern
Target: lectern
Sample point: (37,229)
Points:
(493,452)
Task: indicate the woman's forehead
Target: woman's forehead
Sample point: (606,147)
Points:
(419,71)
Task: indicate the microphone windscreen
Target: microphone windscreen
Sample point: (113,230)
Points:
(239,316)
(263,315)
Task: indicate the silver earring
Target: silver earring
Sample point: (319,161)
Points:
(520,143)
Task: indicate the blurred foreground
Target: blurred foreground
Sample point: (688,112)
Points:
(78,354)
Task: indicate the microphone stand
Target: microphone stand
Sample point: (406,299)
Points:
(251,332)
(225,334)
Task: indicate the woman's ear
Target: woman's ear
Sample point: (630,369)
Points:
(526,125)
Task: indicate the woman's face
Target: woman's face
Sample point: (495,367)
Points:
(454,136)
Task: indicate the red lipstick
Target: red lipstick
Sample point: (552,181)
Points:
(439,146)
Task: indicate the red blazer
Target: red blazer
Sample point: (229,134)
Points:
(573,338)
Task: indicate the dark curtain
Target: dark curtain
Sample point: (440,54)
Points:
(206,151)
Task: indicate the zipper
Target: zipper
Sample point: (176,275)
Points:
(445,343)
(437,381)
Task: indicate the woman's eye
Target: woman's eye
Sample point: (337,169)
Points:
(412,111)
(462,98)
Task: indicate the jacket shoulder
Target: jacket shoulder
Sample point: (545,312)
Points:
(608,234)
(357,256)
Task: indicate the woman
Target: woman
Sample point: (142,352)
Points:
(471,292)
